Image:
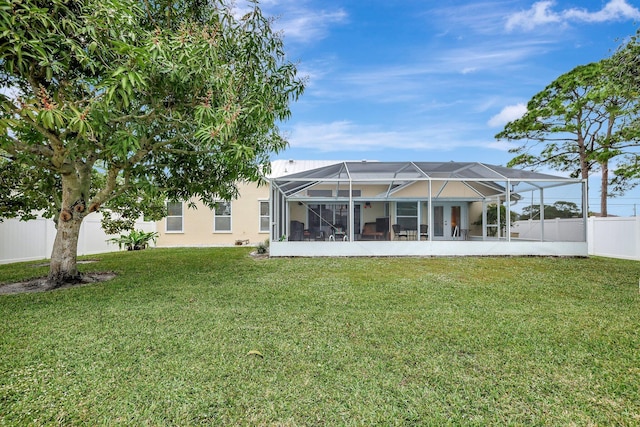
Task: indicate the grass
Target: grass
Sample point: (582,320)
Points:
(369,341)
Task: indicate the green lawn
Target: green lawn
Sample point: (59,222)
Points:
(369,341)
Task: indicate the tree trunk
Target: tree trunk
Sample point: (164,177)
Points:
(63,267)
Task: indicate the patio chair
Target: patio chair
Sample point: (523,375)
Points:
(398,232)
(423,231)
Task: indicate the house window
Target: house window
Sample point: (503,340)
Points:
(320,193)
(222,217)
(407,215)
(264,217)
(345,193)
(174,220)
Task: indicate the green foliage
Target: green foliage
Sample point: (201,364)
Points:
(135,240)
(492,219)
(123,104)
(559,209)
(263,247)
(580,124)
(345,341)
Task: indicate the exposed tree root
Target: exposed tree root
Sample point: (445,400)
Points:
(42,284)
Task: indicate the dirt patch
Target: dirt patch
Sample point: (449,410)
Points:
(39,284)
(256,255)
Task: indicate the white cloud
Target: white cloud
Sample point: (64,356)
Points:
(306,25)
(614,10)
(541,13)
(508,114)
(297,21)
(346,136)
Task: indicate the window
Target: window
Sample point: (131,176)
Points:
(174,217)
(345,193)
(407,215)
(264,217)
(222,217)
(320,193)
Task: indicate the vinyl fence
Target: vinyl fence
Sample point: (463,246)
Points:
(609,237)
(614,237)
(33,240)
(555,230)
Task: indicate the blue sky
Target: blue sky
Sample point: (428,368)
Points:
(432,80)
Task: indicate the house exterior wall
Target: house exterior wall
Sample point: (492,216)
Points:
(440,189)
(198,228)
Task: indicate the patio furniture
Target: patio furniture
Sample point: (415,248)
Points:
(399,232)
(370,232)
(382,224)
(423,231)
(296,229)
(338,233)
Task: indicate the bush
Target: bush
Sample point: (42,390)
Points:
(263,247)
(135,240)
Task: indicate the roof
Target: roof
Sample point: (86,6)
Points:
(402,173)
(286,167)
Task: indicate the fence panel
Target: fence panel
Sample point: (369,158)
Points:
(615,237)
(33,240)
(555,230)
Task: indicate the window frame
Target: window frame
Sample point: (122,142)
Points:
(404,220)
(261,216)
(216,216)
(181,216)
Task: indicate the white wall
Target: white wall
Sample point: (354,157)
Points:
(617,237)
(555,230)
(33,240)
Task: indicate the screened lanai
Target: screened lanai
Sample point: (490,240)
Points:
(416,208)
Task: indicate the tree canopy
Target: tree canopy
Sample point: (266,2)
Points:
(126,103)
(579,124)
(559,209)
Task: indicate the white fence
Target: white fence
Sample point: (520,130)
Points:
(33,240)
(609,237)
(555,230)
(614,237)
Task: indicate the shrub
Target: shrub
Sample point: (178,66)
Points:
(263,247)
(135,240)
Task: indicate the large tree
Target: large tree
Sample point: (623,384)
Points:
(559,209)
(624,72)
(577,125)
(126,103)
